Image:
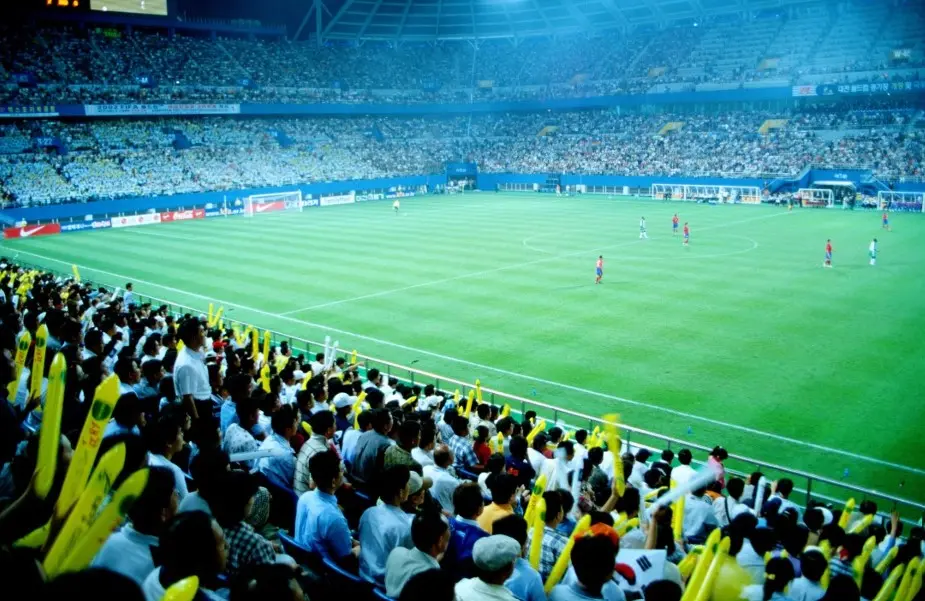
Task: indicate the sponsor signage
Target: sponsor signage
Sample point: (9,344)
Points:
(338,199)
(223,211)
(110,110)
(269,207)
(133,220)
(183,215)
(86,225)
(370,196)
(29,231)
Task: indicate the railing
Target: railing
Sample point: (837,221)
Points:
(808,486)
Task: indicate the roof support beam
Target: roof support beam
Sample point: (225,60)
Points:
(579,16)
(613,9)
(404,19)
(369,19)
(336,17)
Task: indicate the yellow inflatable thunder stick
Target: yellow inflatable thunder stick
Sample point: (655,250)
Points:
(182,590)
(860,562)
(266,347)
(411,400)
(76,273)
(50,434)
(846,514)
(826,548)
(558,570)
(469,399)
(863,523)
(307,428)
(539,527)
(238,336)
(80,518)
(687,565)
(505,411)
(265,377)
(109,519)
(456,397)
(353,357)
(356,410)
(699,575)
(499,442)
(216,318)
(38,362)
(890,584)
(627,526)
(211,313)
(478,391)
(612,438)
(255,343)
(539,487)
(677,518)
(905,585)
(539,427)
(713,571)
(22,349)
(887,560)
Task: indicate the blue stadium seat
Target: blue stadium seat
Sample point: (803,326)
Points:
(466,474)
(380,595)
(347,585)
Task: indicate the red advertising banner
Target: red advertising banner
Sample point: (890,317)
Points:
(268,207)
(183,215)
(28,231)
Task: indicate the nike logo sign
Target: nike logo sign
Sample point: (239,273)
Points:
(24,233)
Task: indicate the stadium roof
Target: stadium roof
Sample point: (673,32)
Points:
(467,19)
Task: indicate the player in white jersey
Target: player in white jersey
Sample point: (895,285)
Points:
(873,251)
(396,205)
(642,229)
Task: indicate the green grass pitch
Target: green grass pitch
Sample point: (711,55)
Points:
(741,339)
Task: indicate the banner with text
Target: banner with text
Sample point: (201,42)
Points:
(116,110)
(133,220)
(29,231)
(183,215)
(80,226)
(338,199)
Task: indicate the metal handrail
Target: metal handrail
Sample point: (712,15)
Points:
(811,479)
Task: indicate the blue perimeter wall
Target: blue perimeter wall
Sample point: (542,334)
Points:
(485,181)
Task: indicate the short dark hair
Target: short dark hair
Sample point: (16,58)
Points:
(460,424)
(735,487)
(662,590)
(151,368)
(539,442)
(685,457)
(321,422)
(246,407)
(785,487)
(596,455)
(567,500)
(581,436)
(393,480)
(230,506)
(504,424)
(511,525)
(188,547)
(147,509)
(554,433)
(188,330)
(467,500)
(553,504)
(568,446)
(127,410)
(428,435)
(667,455)
(436,585)
(324,467)
(593,559)
(364,420)
(263,581)
(483,411)
(374,397)
(427,529)
(813,565)
(868,507)
(629,502)
(372,374)
(503,488)
(125,365)
(408,432)
(283,418)
(518,447)
(381,417)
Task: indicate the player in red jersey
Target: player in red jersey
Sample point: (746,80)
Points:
(828,254)
(687,234)
(886,222)
(674,225)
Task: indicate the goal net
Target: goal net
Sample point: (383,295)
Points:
(277,201)
(816,197)
(901,201)
(705,193)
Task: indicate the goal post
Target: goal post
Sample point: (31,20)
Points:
(707,193)
(911,202)
(816,197)
(276,201)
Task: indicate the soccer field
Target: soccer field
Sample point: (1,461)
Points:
(741,339)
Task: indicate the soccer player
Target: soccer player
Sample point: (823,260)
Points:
(396,205)
(873,251)
(828,254)
(687,234)
(599,270)
(886,221)
(642,229)
(674,225)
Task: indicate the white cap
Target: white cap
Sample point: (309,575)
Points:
(494,553)
(299,375)
(341,400)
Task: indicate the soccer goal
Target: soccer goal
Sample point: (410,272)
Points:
(707,193)
(277,201)
(901,201)
(816,197)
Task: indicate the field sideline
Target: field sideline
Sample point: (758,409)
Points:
(743,328)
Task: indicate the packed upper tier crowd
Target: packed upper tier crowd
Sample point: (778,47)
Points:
(270,475)
(103,65)
(122,158)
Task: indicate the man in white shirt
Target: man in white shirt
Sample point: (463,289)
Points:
(640,467)
(128,551)
(167,441)
(386,526)
(684,472)
(444,482)
(190,375)
(698,516)
(424,452)
(781,495)
(494,558)
(727,508)
(812,566)
(431,401)
(431,535)
(535,453)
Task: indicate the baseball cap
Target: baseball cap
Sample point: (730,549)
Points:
(341,400)
(494,553)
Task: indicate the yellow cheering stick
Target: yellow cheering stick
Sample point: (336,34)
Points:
(478,391)
(469,399)
(539,487)
(500,441)
(266,347)
(80,518)
(713,571)
(627,526)
(211,313)
(612,437)
(411,400)
(558,570)
(109,519)
(182,590)
(38,362)
(677,518)
(905,585)
(307,428)
(860,562)
(887,560)
(505,411)
(76,273)
(50,434)
(890,584)
(221,325)
(539,427)
(217,317)
(566,436)
(917,583)
(356,409)
(353,357)
(846,514)
(456,397)
(238,337)
(703,565)
(265,377)
(861,525)
(539,528)
(687,565)
(22,349)
(255,344)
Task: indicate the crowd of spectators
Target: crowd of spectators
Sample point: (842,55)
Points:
(105,65)
(123,158)
(277,476)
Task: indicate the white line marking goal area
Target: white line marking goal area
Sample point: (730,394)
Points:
(483,368)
